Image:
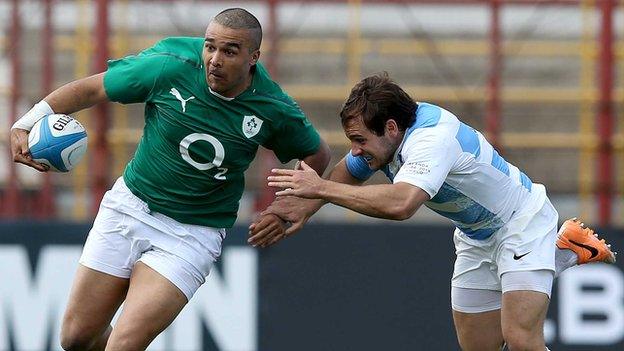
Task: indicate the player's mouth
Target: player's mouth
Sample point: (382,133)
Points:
(216,75)
(368,159)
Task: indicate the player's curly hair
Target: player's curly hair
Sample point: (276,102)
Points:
(376,99)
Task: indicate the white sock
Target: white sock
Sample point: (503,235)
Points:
(564,259)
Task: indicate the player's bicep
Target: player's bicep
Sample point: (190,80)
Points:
(77,95)
(320,159)
(341,174)
(294,138)
(94,87)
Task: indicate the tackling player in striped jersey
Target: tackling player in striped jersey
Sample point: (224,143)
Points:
(508,249)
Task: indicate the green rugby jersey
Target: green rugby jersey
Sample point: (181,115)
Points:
(196,144)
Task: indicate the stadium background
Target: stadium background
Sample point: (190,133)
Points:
(544,80)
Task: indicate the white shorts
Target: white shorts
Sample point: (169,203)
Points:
(125,232)
(525,243)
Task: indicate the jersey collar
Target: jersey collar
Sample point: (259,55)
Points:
(220,96)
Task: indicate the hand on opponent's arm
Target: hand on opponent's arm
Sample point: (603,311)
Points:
(268,229)
(67,99)
(292,210)
(397,201)
(297,211)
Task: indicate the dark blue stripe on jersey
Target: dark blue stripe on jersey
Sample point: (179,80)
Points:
(446,194)
(468,140)
(427,115)
(499,163)
(479,234)
(469,216)
(358,167)
(526,182)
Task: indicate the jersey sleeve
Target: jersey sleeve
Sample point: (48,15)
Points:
(295,137)
(428,159)
(132,78)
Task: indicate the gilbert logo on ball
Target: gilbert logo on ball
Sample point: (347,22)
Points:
(58,141)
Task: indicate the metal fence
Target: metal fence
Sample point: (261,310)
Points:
(542,79)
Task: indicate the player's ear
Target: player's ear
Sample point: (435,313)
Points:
(255,56)
(392,128)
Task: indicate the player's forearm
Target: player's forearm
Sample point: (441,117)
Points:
(78,95)
(381,201)
(320,159)
(338,174)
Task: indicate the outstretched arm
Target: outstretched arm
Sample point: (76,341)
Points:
(397,201)
(269,228)
(67,99)
(78,95)
(296,211)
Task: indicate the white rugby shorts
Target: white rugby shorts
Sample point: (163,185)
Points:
(525,244)
(125,232)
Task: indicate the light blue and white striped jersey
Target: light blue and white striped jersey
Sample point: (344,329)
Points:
(466,179)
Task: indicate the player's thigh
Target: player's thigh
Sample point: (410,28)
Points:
(93,301)
(478,331)
(524,306)
(477,318)
(151,305)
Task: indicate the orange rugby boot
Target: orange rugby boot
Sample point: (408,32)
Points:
(575,236)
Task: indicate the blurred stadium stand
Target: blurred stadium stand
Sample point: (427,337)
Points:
(530,74)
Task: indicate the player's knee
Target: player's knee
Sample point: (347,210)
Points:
(75,341)
(74,337)
(520,340)
(124,339)
(467,344)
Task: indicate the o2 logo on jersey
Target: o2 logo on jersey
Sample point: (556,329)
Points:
(185,144)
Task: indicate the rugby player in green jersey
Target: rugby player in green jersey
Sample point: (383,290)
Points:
(209,105)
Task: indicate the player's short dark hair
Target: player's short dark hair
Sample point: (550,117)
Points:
(376,99)
(237,18)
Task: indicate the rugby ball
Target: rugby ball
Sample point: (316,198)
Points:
(58,141)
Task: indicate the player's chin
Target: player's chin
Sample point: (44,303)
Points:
(216,85)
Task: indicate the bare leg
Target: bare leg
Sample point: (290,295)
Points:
(479,331)
(152,304)
(522,318)
(94,299)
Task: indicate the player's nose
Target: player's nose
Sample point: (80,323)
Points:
(356,151)
(216,59)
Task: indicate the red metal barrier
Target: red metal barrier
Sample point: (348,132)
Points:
(11,198)
(605,113)
(46,208)
(100,161)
